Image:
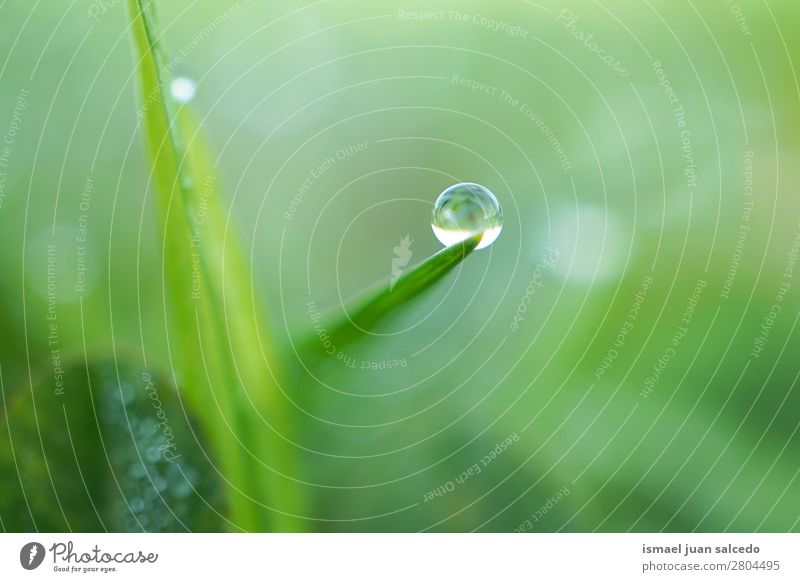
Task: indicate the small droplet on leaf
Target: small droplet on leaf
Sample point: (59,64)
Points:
(182,89)
(464,210)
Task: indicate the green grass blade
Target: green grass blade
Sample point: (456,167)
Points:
(224,359)
(378,303)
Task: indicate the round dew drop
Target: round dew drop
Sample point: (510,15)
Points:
(464,210)
(182,89)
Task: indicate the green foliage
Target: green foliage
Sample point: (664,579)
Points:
(225,362)
(116,451)
(380,302)
(714,447)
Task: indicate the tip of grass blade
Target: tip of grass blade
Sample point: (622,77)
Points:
(421,277)
(385,299)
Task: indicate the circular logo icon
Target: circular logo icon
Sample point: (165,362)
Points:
(31,555)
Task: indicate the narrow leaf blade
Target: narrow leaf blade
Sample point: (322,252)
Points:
(386,299)
(223,356)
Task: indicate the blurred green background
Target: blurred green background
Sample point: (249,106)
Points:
(621,333)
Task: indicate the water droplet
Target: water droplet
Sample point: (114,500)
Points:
(182,89)
(182,488)
(126,393)
(160,483)
(138,471)
(137,505)
(464,210)
(151,454)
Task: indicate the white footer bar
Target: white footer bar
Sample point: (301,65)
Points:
(389,557)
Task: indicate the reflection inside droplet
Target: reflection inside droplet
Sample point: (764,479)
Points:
(464,210)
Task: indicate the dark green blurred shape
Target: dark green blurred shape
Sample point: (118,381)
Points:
(115,452)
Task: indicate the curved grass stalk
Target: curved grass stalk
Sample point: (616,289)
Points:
(387,298)
(223,357)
